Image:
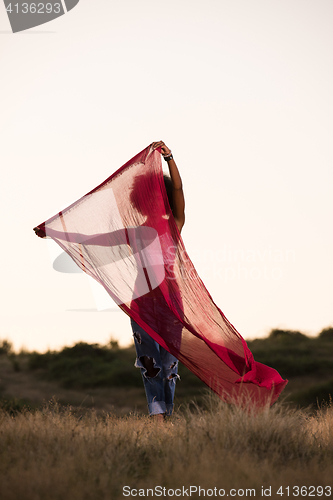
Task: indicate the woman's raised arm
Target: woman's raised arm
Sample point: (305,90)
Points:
(177,186)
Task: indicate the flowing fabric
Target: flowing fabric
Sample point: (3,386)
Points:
(123,234)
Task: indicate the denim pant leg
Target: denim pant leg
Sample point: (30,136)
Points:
(159,389)
(170,375)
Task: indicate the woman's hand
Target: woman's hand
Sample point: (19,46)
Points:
(39,232)
(164,149)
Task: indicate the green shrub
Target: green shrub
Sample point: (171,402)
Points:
(287,335)
(6,347)
(88,365)
(326,333)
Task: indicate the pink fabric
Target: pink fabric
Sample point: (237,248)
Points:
(123,234)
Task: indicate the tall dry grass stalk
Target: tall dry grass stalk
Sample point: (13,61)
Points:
(56,454)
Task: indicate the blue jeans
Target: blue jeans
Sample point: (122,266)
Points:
(159,372)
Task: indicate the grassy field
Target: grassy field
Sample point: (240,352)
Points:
(58,454)
(73,425)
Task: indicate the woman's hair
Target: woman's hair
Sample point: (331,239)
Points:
(144,184)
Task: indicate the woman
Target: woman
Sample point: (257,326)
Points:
(159,368)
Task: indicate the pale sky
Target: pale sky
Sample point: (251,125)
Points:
(240,90)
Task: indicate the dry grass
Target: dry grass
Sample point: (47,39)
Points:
(55,453)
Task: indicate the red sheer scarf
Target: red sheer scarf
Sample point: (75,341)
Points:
(122,233)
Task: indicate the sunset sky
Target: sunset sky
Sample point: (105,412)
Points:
(240,90)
